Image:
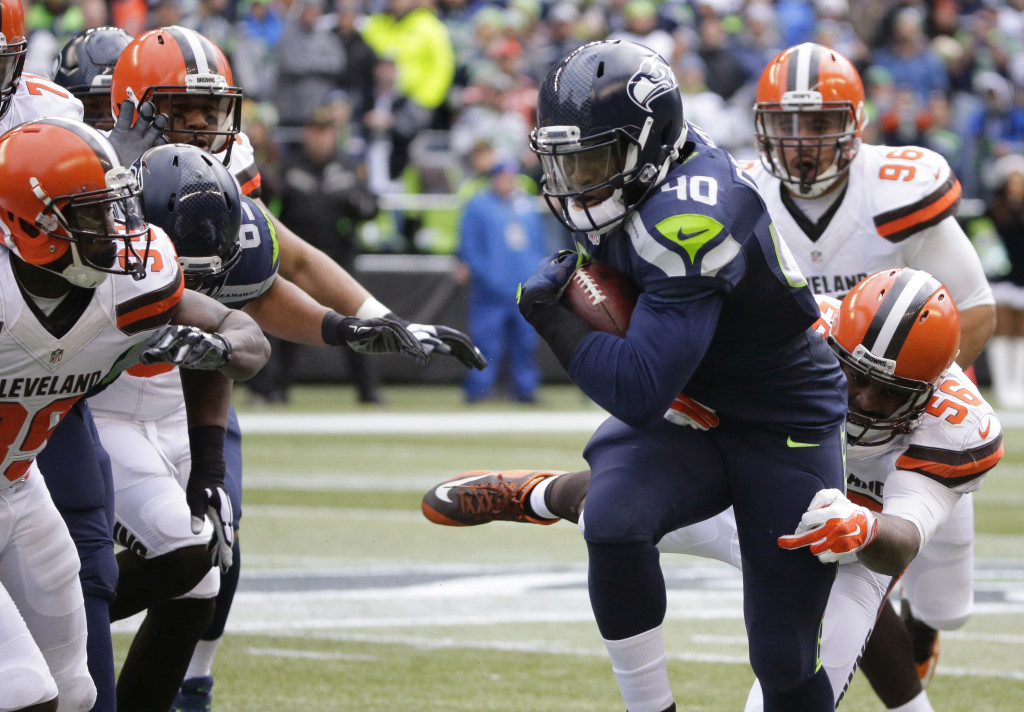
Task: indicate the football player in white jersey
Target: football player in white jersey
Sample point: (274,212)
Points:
(82,298)
(80,485)
(847,209)
(921,437)
(190,81)
(227,249)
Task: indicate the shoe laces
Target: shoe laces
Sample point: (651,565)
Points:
(496,498)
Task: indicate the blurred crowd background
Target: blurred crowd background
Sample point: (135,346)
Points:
(423,97)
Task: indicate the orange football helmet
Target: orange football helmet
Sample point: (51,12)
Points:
(13,47)
(183,67)
(808,117)
(81,202)
(901,329)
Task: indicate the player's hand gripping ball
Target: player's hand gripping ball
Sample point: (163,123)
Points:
(601,296)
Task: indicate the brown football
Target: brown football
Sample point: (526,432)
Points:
(601,296)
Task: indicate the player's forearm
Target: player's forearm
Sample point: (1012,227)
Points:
(317,274)
(977,325)
(250,349)
(207,397)
(287,312)
(894,547)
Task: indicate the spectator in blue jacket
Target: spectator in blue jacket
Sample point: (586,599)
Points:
(502,240)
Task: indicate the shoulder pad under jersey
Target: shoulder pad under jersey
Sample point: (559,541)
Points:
(257,268)
(906,188)
(959,438)
(147,303)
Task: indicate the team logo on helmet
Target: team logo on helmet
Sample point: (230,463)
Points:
(654,78)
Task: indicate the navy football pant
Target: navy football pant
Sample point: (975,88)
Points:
(648,482)
(77,473)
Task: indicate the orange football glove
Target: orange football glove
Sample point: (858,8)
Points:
(833,527)
(691,413)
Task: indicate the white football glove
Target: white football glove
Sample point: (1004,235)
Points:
(218,509)
(446,340)
(833,527)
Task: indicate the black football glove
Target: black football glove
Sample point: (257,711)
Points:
(372,336)
(206,496)
(187,347)
(131,141)
(446,340)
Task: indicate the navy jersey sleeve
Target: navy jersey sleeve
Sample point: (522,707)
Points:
(257,269)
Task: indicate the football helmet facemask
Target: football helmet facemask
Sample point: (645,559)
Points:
(609,126)
(85,203)
(900,330)
(197,202)
(188,78)
(85,66)
(808,117)
(13,47)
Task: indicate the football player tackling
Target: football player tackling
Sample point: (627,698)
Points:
(723,315)
(921,437)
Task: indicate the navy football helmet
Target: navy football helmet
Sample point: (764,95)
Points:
(609,126)
(197,202)
(84,67)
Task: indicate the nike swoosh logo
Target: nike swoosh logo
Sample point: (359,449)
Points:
(790,442)
(853,534)
(442,491)
(988,427)
(687,235)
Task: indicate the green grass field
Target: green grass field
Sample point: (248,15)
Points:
(350,600)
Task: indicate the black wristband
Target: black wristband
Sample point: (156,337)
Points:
(332,329)
(206,443)
(560,328)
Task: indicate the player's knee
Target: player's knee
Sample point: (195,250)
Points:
(99,572)
(780,671)
(77,692)
(613,525)
(947,623)
(25,686)
(181,569)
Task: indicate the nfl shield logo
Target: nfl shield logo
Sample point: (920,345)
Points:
(56,355)
(816,257)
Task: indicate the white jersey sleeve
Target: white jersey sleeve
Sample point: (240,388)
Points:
(958,440)
(925,503)
(36,98)
(945,251)
(242,165)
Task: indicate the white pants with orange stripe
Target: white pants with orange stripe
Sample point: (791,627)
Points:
(42,612)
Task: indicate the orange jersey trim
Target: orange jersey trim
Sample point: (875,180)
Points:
(151,310)
(898,225)
(142,370)
(952,468)
(864,501)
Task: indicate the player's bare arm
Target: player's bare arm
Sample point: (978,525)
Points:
(317,274)
(977,325)
(249,347)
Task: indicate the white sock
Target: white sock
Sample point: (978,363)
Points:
(641,670)
(1000,354)
(537,498)
(918,704)
(1017,369)
(202,658)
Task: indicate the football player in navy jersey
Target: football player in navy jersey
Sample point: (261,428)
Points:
(725,319)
